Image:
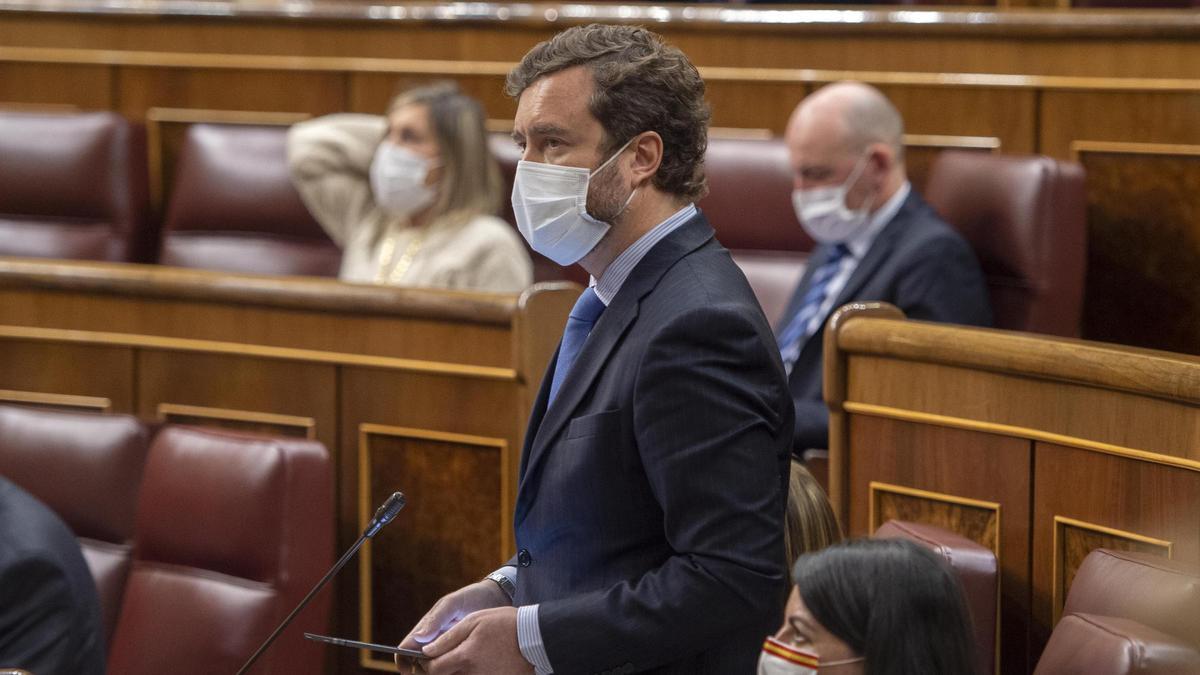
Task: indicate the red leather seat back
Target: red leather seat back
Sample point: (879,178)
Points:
(87,468)
(73,186)
(976,568)
(1025,218)
(1088,644)
(1160,593)
(233,207)
(232,530)
(749,204)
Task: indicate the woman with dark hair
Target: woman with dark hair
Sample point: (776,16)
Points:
(873,607)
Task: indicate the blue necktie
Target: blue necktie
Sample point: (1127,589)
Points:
(792,337)
(583,316)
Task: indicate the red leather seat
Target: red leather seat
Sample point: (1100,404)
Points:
(233,207)
(1127,613)
(976,568)
(88,468)
(232,530)
(1025,218)
(749,204)
(73,186)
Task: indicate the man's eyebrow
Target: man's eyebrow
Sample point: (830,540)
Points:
(548,129)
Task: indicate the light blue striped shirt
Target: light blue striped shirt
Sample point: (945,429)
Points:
(529,632)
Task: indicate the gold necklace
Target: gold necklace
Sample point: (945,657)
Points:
(392,276)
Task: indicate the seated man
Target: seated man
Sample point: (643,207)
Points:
(878,240)
(49,611)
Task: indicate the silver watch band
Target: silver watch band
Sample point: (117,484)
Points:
(505,585)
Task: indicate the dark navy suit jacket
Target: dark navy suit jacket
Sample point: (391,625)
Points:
(918,263)
(49,612)
(650,509)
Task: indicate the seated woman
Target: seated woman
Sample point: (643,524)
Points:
(410,198)
(872,607)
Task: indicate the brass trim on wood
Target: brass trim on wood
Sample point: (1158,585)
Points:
(256,351)
(888,412)
(72,401)
(366,509)
(157,116)
(1058,566)
(990,143)
(1078,148)
(164,411)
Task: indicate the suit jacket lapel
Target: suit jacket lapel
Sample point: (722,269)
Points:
(879,252)
(606,335)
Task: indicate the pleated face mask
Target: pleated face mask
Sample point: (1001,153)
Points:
(550,205)
(780,658)
(398,179)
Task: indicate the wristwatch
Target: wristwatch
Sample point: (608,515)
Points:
(503,582)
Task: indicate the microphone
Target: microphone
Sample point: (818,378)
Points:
(383,515)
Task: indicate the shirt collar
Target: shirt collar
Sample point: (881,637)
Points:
(614,276)
(860,244)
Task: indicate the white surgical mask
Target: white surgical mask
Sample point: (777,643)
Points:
(780,658)
(398,179)
(823,213)
(550,204)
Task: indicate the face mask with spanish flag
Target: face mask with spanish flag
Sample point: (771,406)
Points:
(780,658)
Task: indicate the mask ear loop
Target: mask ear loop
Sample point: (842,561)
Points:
(605,164)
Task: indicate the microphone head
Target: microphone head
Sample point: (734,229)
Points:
(390,508)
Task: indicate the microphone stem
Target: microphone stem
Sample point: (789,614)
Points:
(324,580)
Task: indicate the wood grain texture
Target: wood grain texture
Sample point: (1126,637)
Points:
(1144,247)
(69,369)
(1141,498)
(933,459)
(86,87)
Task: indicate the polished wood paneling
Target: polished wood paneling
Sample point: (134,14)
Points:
(63,369)
(1099,443)
(1007,114)
(434,402)
(272,424)
(445,538)
(140,89)
(1079,411)
(247,385)
(922,458)
(1143,244)
(56,401)
(1144,505)
(87,87)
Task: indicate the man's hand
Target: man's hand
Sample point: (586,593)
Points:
(453,608)
(484,643)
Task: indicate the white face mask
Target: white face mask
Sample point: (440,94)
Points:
(823,213)
(398,179)
(550,204)
(780,658)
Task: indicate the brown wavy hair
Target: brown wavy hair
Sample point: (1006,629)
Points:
(641,84)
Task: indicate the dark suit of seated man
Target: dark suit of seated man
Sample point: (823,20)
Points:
(49,612)
(878,240)
(651,490)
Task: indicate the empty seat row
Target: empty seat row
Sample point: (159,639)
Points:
(74,186)
(199,540)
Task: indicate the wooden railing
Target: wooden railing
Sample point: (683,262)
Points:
(422,391)
(1041,449)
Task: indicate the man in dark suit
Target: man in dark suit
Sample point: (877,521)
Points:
(649,514)
(49,611)
(878,240)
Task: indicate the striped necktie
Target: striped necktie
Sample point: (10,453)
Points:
(584,315)
(804,323)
